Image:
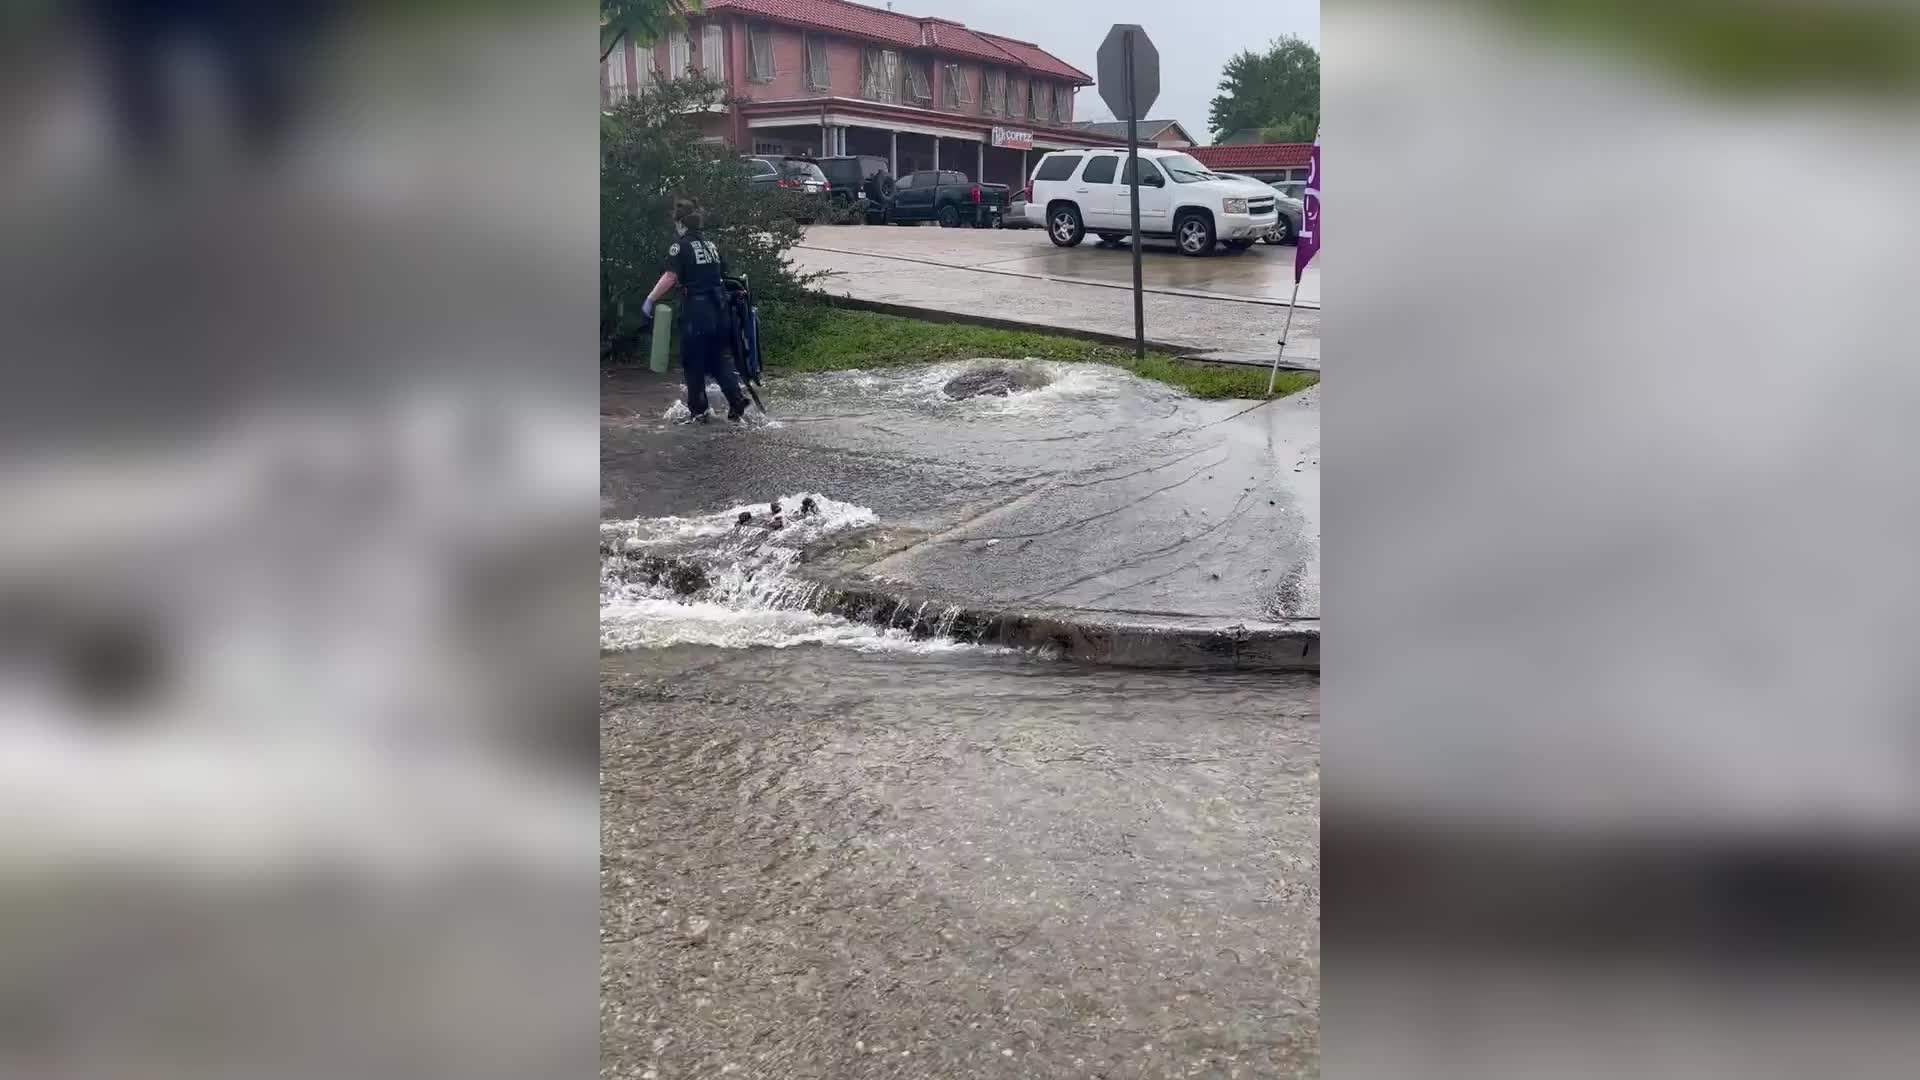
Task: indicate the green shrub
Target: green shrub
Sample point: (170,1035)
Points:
(650,154)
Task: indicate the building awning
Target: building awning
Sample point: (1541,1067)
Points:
(858,112)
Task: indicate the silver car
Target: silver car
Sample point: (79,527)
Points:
(1292,210)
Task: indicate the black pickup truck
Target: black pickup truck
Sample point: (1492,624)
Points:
(947,197)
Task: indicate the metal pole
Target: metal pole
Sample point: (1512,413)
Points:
(1133,190)
(893,152)
(1275,373)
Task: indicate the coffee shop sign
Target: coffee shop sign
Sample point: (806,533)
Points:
(1013,138)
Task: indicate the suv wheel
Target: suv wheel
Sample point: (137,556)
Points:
(1064,227)
(949,217)
(1195,235)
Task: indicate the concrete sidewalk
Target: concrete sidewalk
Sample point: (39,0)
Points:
(1218,308)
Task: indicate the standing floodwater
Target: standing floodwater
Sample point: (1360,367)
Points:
(959,864)
(838,847)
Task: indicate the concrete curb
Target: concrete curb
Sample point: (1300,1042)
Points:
(937,315)
(1089,636)
(1077,635)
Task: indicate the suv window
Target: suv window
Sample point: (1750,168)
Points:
(953,178)
(843,170)
(754,166)
(904,182)
(805,169)
(1100,169)
(1057,167)
(1149,173)
(926,178)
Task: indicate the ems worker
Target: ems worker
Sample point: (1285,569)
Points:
(706,327)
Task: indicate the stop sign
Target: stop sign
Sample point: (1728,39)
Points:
(1111,71)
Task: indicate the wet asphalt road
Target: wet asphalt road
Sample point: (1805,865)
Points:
(826,863)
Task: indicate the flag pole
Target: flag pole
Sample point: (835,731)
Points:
(1275,373)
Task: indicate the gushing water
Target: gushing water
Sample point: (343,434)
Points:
(718,580)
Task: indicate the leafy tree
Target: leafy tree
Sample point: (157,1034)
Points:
(650,154)
(1277,91)
(643,20)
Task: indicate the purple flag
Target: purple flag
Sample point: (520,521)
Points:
(1309,244)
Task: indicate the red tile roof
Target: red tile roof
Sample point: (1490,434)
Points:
(1033,56)
(907,31)
(1284,155)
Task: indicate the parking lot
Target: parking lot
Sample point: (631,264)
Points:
(1226,306)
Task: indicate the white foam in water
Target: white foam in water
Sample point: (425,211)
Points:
(924,386)
(752,598)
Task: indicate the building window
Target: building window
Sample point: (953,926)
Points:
(617,71)
(880,74)
(993,99)
(1063,104)
(1037,95)
(920,80)
(759,53)
(817,62)
(954,89)
(713,52)
(1016,104)
(769,148)
(680,50)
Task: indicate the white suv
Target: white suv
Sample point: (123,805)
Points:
(1076,192)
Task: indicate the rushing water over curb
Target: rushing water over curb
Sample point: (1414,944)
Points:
(712,580)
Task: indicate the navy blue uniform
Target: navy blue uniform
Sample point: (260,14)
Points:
(706,327)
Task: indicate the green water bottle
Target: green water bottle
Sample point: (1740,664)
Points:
(662,336)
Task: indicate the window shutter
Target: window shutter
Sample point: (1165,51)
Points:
(759,53)
(681,54)
(817,62)
(713,52)
(617,71)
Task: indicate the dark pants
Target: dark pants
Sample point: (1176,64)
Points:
(707,354)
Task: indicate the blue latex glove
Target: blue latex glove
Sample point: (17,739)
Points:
(646,307)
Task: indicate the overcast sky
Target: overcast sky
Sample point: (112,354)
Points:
(1195,39)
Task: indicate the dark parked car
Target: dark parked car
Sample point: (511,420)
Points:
(793,174)
(761,172)
(949,198)
(859,176)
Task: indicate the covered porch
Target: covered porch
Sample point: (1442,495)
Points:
(910,143)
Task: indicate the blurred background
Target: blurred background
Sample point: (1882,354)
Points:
(298,456)
(1622,750)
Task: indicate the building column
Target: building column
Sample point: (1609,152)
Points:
(980,163)
(936,153)
(1023,168)
(826,139)
(893,152)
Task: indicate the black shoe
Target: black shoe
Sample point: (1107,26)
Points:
(737,412)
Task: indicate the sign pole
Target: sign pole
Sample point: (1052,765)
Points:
(1274,375)
(1133,191)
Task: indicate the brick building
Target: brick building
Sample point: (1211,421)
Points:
(833,77)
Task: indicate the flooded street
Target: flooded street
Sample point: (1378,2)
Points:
(827,862)
(847,844)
